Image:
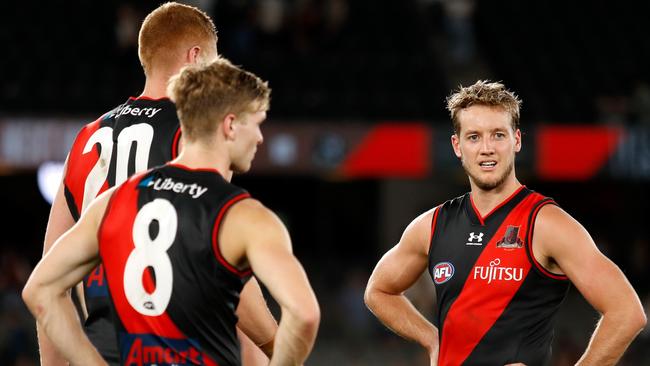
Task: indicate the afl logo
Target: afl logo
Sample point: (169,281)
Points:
(443,272)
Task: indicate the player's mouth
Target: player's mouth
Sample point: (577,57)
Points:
(488,165)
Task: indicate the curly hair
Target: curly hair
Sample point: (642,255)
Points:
(483,92)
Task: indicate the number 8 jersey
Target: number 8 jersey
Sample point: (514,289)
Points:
(134,136)
(173,293)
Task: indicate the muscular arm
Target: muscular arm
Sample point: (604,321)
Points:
(561,244)
(395,273)
(252,234)
(72,256)
(59,222)
(255,319)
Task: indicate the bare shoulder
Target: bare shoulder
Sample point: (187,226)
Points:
(97,207)
(557,232)
(417,234)
(250,220)
(251,212)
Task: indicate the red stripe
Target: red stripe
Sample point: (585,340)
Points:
(115,246)
(79,164)
(480,303)
(391,150)
(177,138)
(144,97)
(215,237)
(483,218)
(575,152)
(529,246)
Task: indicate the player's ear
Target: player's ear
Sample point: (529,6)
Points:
(193,55)
(229,127)
(455,143)
(518,140)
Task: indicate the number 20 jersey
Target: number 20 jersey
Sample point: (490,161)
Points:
(136,135)
(173,292)
(495,302)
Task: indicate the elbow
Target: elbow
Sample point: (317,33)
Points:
(370,297)
(640,320)
(32,299)
(307,318)
(310,318)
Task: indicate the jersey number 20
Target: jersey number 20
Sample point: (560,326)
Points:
(141,134)
(152,253)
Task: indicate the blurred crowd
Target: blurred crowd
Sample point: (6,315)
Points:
(341,60)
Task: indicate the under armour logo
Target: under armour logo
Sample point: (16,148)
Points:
(478,237)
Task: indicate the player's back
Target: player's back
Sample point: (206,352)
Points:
(174,294)
(136,135)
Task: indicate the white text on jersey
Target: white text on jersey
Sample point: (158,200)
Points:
(168,184)
(134,111)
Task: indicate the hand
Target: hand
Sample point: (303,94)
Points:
(516,364)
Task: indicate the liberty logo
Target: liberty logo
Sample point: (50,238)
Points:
(511,239)
(478,237)
(167,184)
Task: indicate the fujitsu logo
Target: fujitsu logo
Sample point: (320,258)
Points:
(496,273)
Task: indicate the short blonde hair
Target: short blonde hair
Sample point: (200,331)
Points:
(483,92)
(205,94)
(169,29)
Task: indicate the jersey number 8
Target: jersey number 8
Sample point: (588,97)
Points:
(150,252)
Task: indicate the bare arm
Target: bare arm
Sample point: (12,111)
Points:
(395,273)
(255,319)
(72,256)
(563,245)
(252,233)
(59,222)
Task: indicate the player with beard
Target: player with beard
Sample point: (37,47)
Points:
(501,258)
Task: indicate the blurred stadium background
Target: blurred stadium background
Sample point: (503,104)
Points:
(357,143)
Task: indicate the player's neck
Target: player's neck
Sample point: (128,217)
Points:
(486,200)
(155,86)
(196,156)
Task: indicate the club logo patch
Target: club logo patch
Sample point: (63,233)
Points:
(443,272)
(511,239)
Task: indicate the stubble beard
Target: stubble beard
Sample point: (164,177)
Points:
(489,185)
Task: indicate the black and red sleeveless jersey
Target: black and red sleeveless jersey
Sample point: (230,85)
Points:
(133,137)
(173,292)
(495,303)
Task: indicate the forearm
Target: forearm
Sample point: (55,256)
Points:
(56,316)
(49,355)
(255,319)
(611,338)
(294,340)
(399,315)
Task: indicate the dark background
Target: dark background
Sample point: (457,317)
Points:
(340,61)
